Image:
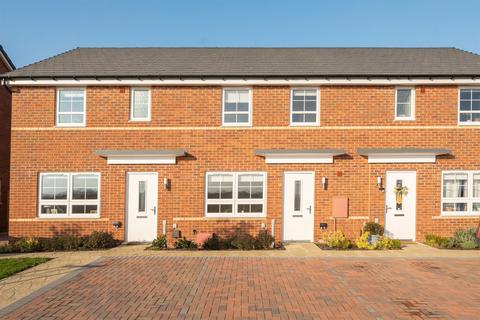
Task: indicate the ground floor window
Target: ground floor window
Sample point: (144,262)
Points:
(461,192)
(69,195)
(235,194)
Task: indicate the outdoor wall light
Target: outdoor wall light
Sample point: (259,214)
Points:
(379,183)
(324,183)
(166,184)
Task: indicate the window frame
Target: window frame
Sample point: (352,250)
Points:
(149,107)
(235,200)
(57,108)
(69,202)
(317,113)
(250,108)
(471,123)
(469,199)
(412,104)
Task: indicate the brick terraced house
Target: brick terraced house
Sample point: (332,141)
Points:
(5,106)
(142,141)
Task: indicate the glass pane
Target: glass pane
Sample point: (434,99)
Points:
(403,95)
(64,118)
(77,118)
(298,94)
(250,208)
(213,208)
(298,118)
(53,209)
(244,192)
(476,185)
(84,209)
(242,107)
(403,110)
(230,107)
(231,96)
(77,106)
(298,195)
(140,111)
(455,207)
(476,105)
(242,118)
(298,105)
(476,117)
(64,106)
(466,94)
(257,192)
(226,191)
(54,187)
(226,208)
(455,185)
(310,117)
(243,208)
(310,106)
(476,94)
(213,193)
(465,117)
(311,95)
(230,118)
(84,187)
(476,206)
(243,96)
(465,105)
(220,186)
(142,185)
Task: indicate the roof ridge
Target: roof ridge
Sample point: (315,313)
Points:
(46,59)
(467,51)
(262,47)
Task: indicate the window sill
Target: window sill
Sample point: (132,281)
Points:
(457,216)
(404,119)
(58,219)
(305,125)
(140,120)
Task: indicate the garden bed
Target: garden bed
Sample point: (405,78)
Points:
(96,240)
(10,266)
(462,240)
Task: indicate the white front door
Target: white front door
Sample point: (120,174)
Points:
(298,211)
(142,194)
(400,204)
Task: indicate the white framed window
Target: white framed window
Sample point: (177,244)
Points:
(69,195)
(140,104)
(404,103)
(71,107)
(235,194)
(304,107)
(460,193)
(469,106)
(237,107)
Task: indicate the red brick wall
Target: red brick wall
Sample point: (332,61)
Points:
(5,105)
(190,118)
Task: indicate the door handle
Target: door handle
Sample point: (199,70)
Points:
(310,209)
(387,208)
(154,210)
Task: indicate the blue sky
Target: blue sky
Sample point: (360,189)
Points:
(34,30)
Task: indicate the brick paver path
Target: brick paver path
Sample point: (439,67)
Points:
(264,288)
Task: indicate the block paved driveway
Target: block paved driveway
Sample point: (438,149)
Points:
(262,288)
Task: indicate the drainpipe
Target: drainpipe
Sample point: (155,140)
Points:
(164,227)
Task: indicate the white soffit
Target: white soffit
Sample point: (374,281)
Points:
(140,156)
(299,156)
(402,155)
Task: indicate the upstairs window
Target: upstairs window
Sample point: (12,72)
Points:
(461,193)
(69,195)
(469,109)
(235,194)
(304,107)
(140,104)
(237,107)
(405,104)
(71,107)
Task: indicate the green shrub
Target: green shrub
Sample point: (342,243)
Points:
(462,236)
(243,242)
(363,243)
(373,228)
(29,244)
(212,243)
(336,240)
(99,240)
(160,242)
(264,240)
(184,243)
(62,243)
(7,248)
(386,243)
(438,241)
(468,245)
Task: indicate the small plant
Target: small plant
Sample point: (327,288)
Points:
(264,240)
(243,242)
(386,243)
(373,228)
(462,236)
(212,243)
(363,243)
(62,243)
(99,240)
(438,241)
(468,245)
(184,243)
(160,242)
(336,240)
(28,245)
